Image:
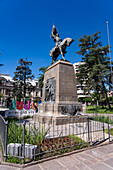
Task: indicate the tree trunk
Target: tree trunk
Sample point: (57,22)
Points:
(102,104)
(107,100)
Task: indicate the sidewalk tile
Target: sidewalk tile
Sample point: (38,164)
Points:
(4,167)
(81,166)
(101,166)
(34,167)
(109,162)
(52,165)
(68,161)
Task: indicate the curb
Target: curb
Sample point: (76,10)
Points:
(53,157)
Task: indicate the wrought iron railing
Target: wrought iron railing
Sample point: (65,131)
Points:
(26,141)
(3,135)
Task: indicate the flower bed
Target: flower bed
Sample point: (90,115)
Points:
(56,146)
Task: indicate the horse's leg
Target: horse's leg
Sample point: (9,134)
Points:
(52,59)
(61,53)
(63,56)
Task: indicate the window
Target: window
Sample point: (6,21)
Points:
(36,84)
(7,91)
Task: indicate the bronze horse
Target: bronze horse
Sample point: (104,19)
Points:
(60,46)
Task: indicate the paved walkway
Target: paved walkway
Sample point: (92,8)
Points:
(100,158)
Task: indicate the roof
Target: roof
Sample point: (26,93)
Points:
(33,82)
(6,76)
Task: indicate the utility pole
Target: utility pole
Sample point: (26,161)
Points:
(110,53)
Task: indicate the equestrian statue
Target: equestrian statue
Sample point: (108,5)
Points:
(60,46)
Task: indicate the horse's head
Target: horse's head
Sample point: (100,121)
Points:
(68,41)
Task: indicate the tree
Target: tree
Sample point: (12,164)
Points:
(95,70)
(22,78)
(41,77)
(1,95)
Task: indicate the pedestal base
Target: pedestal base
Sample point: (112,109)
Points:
(60,120)
(59,109)
(59,93)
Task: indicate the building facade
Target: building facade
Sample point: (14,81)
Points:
(6,86)
(36,94)
(80,88)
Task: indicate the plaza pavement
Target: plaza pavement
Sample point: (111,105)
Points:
(99,158)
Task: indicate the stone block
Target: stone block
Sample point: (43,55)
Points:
(31,150)
(59,93)
(14,149)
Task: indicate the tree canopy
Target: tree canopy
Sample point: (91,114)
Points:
(94,71)
(22,78)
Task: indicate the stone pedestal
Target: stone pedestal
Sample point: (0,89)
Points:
(59,91)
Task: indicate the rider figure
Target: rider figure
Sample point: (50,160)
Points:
(55,36)
(60,46)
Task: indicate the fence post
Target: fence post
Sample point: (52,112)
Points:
(103,129)
(88,131)
(6,136)
(108,129)
(23,151)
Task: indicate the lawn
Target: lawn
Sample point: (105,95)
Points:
(110,131)
(92,109)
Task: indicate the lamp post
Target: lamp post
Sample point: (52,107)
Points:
(110,53)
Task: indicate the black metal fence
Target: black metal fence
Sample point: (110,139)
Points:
(3,135)
(26,141)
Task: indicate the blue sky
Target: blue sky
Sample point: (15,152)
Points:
(25,28)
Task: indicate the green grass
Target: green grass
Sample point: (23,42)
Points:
(110,131)
(92,109)
(32,136)
(103,119)
(14,160)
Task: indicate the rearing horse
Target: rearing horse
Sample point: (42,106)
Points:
(60,46)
